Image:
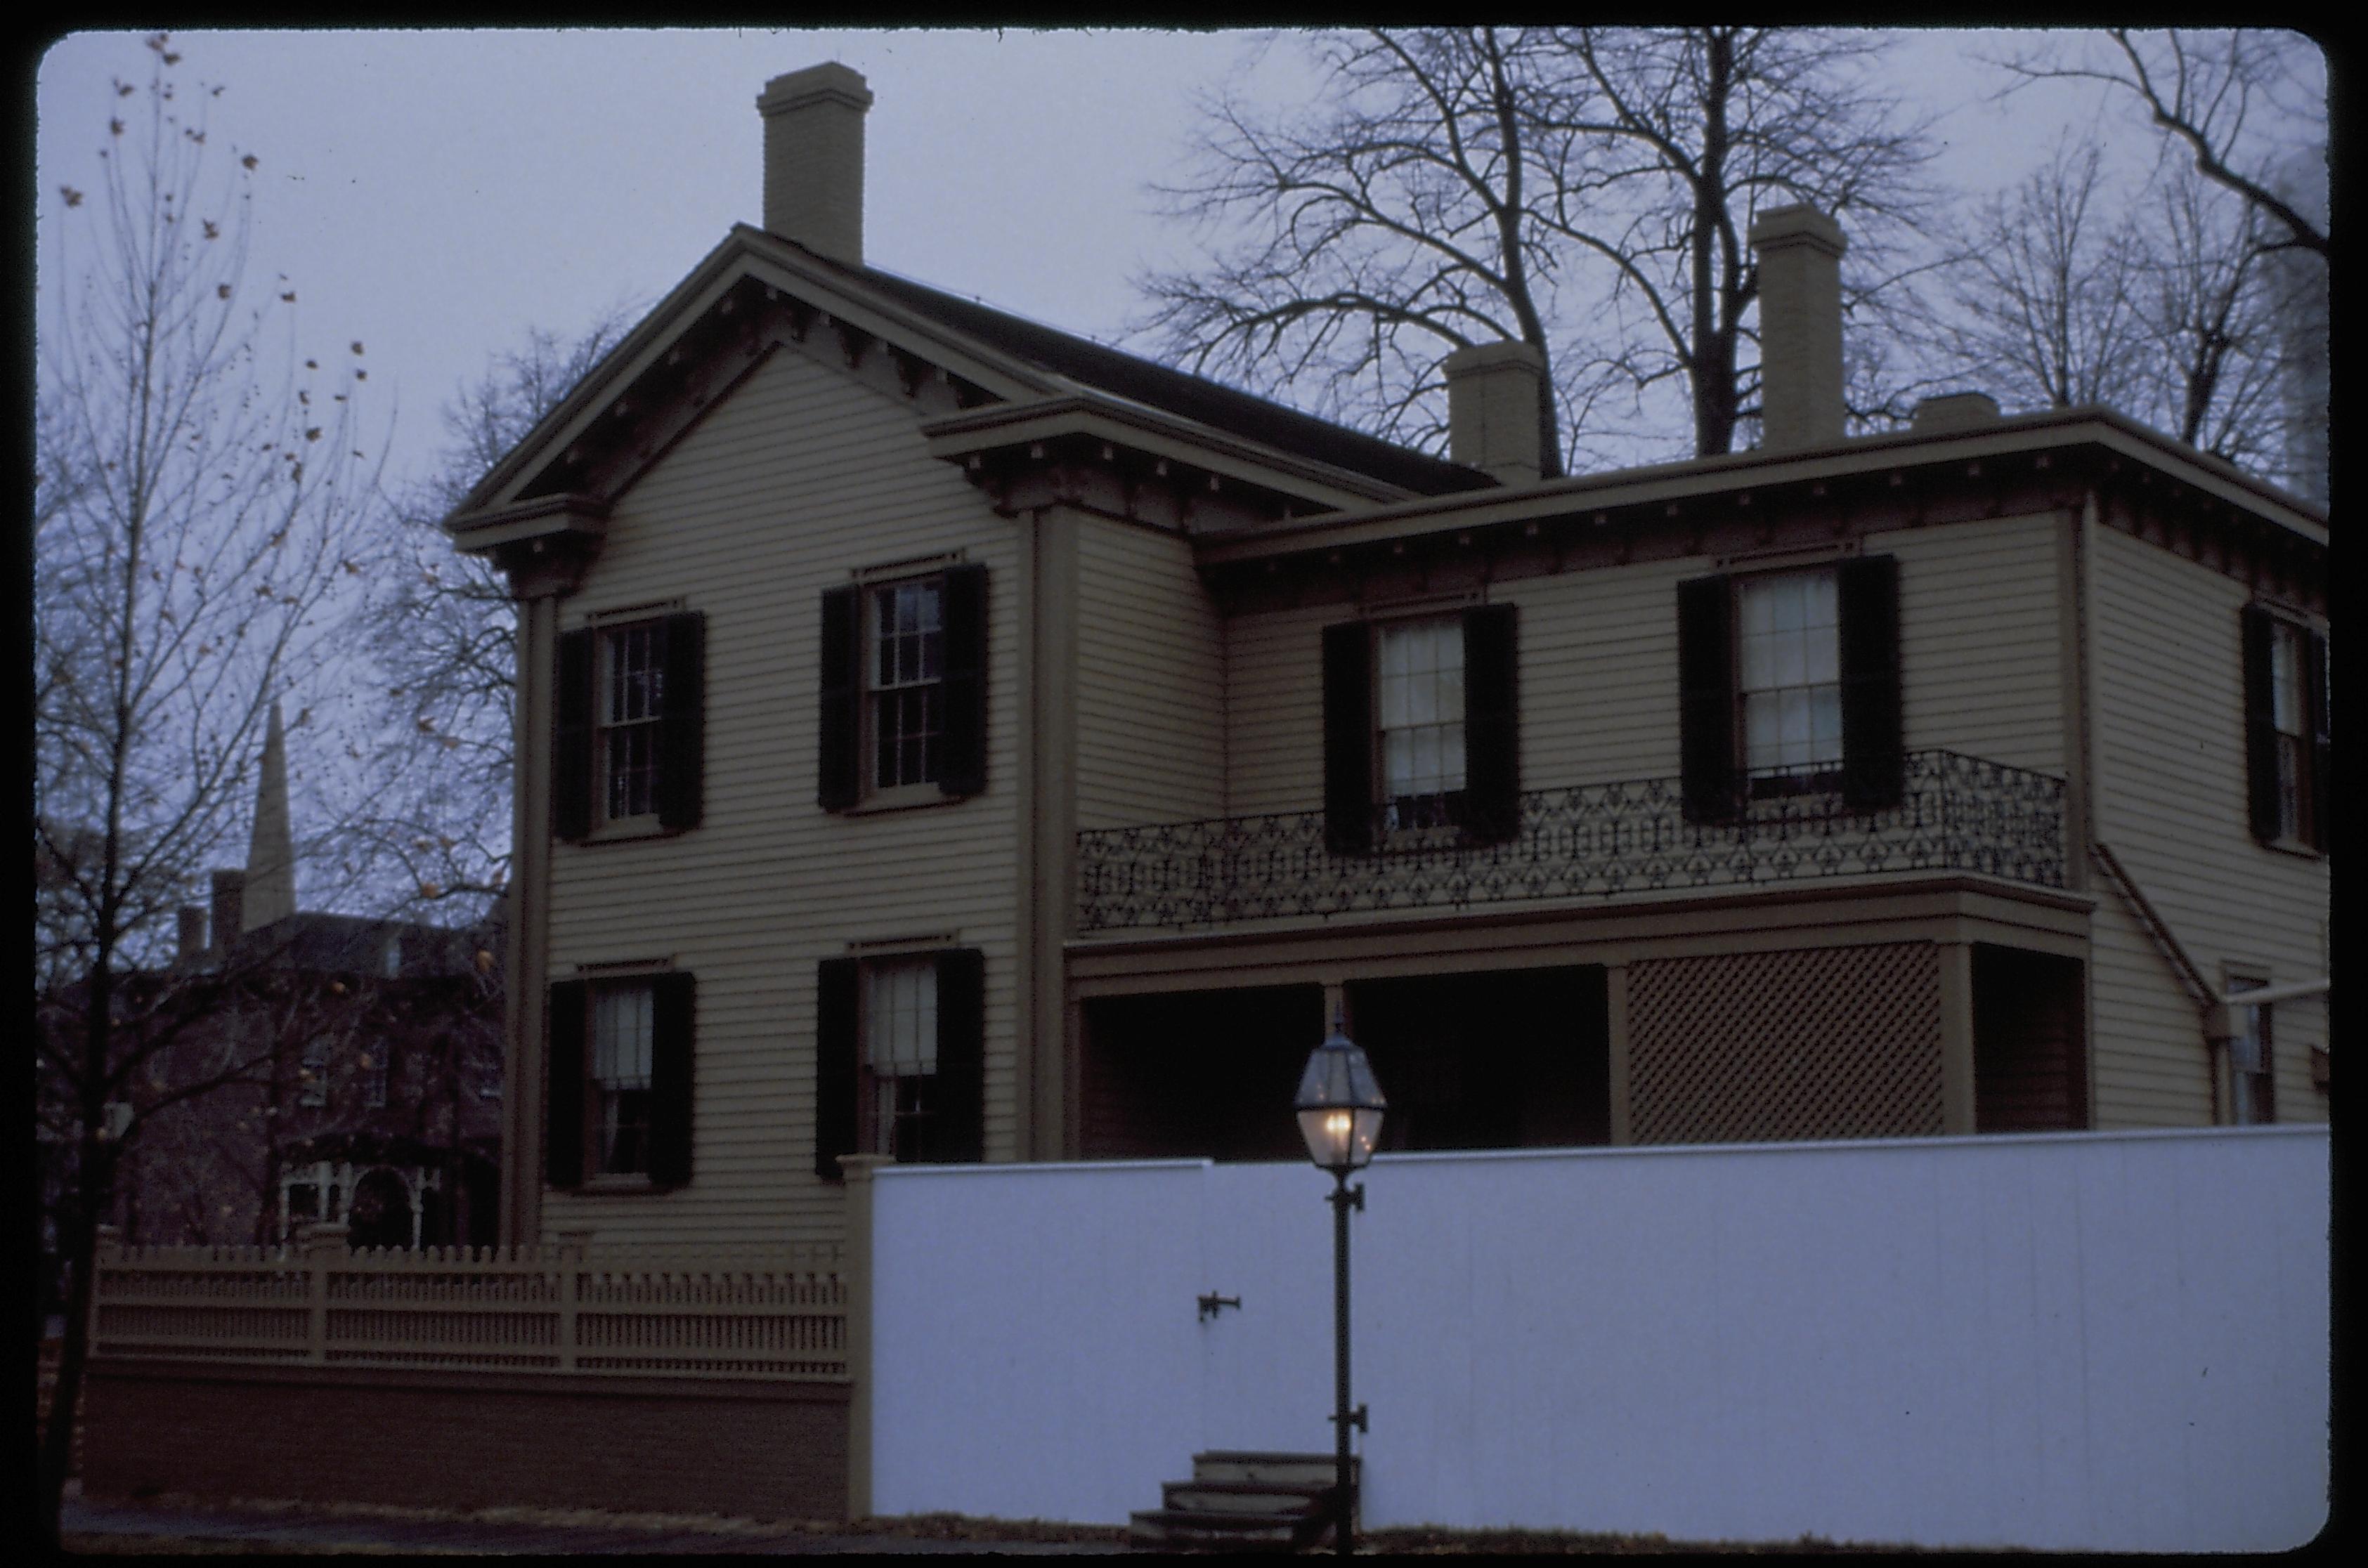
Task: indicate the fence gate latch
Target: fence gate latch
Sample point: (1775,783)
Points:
(1213,1303)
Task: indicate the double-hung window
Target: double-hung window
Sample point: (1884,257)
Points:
(2252,1088)
(902,714)
(623,1036)
(900,1041)
(1421,700)
(2286,729)
(633,685)
(900,1057)
(1421,727)
(631,727)
(619,1092)
(906,690)
(1788,678)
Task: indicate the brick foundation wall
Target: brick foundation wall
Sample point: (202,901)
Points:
(772,1450)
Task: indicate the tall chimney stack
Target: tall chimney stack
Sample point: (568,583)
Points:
(814,159)
(229,896)
(1492,409)
(1800,327)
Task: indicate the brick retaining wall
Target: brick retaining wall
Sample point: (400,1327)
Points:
(463,1440)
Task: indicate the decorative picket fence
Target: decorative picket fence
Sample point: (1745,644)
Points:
(643,1311)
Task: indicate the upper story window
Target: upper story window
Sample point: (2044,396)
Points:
(902,706)
(1421,700)
(618,1084)
(633,684)
(1788,676)
(312,1074)
(630,709)
(1791,680)
(2286,729)
(377,1063)
(906,694)
(1421,727)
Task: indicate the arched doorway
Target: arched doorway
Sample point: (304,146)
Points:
(380,1215)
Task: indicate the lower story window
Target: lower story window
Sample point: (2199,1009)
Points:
(900,1029)
(2251,1061)
(623,1030)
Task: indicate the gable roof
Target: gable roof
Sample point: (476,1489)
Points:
(996,357)
(1204,401)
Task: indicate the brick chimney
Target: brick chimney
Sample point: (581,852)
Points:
(1953,411)
(230,900)
(1492,409)
(192,933)
(814,159)
(1800,327)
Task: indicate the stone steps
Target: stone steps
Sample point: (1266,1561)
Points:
(1243,1500)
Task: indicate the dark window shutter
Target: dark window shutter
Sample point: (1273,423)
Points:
(1874,761)
(2322,780)
(571,763)
(1492,731)
(562,1138)
(673,1052)
(2257,628)
(837,1040)
(1348,738)
(959,1129)
(963,771)
(1706,699)
(682,735)
(839,784)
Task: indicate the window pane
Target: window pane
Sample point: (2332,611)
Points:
(2285,679)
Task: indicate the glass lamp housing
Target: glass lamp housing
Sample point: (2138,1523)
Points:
(1339,1104)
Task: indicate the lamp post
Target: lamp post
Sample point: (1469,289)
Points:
(1340,1107)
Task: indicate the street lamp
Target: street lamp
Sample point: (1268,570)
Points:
(1340,1107)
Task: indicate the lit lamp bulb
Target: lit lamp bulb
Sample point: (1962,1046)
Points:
(1339,1104)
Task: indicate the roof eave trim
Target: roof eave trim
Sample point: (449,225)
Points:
(1084,410)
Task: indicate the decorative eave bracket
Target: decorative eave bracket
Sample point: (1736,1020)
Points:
(543,543)
(1135,462)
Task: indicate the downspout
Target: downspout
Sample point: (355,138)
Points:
(2215,1009)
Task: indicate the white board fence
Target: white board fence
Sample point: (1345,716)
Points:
(2100,1341)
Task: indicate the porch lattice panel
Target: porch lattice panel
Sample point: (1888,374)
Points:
(1816,1042)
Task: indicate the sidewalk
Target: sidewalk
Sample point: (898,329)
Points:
(131,1527)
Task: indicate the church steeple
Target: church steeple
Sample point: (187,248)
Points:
(270,849)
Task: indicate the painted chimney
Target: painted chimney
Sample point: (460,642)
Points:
(1492,409)
(271,892)
(814,159)
(230,893)
(192,933)
(1800,327)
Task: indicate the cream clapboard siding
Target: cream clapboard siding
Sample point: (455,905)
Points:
(2169,736)
(1980,655)
(802,474)
(1150,681)
(1598,666)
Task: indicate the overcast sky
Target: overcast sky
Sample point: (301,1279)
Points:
(434,194)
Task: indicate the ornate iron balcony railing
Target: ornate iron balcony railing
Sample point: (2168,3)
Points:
(1955,813)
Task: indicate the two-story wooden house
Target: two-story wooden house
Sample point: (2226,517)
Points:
(946,737)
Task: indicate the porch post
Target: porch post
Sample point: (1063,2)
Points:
(1956,960)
